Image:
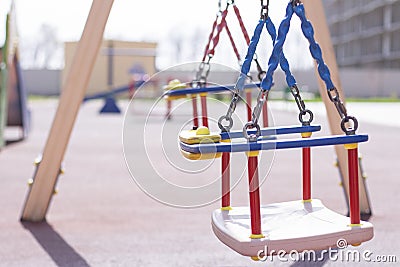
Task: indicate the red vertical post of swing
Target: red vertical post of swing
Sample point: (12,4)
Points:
(352,155)
(254,193)
(204,115)
(306,173)
(248,104)
(169,107)
(265,114)
(195,114)
(226,184)
(131,88)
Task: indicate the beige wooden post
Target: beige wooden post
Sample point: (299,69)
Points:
(73,91)
(316,14)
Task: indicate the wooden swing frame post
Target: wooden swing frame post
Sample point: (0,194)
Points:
(45,178)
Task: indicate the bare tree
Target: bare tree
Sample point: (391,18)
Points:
(46,46)
(176,39)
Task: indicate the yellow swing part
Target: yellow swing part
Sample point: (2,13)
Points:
(175,84)
(201,135)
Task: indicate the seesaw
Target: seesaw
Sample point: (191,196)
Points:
(110,106)
(183,90)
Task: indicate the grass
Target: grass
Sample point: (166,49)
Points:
(374,99)
(361,100)
(228,99)
(40,97)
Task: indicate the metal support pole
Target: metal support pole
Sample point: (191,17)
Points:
(226,183)
(352,154)
(204,116)
(195,113)
(254,194)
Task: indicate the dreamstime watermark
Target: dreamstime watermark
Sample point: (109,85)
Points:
(341,253)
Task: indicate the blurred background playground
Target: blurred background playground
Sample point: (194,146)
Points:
(100,215)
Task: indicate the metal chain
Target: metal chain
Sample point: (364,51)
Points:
(295,2)
(239,86)
(204,66)
(263,94)
(250,56)
(276,58)
(303,112)
(349,124)
(264,10)
(202,73)
(261,98)
(291,82)
(233,44)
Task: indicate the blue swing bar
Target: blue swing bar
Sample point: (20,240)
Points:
(214,89)
(273,131)
(273,144)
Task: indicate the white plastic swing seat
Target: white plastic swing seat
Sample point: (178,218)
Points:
(288,226)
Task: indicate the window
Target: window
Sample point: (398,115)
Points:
(395,41)
(396,12)
(372,19)
(371,46)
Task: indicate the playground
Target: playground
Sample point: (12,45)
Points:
(199,172)
(100,217)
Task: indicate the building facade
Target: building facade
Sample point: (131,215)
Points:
(365,33)
(117,63)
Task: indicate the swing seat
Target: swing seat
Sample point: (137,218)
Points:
(288,226)
(174,85)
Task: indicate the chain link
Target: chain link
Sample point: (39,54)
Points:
(228,116)
(202,73)
(264,10)
(334,96)
(302,107)
(255,116)
(219,13)
(295,2)
(261,98)
(251,137)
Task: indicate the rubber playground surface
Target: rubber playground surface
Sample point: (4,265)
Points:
(101,217)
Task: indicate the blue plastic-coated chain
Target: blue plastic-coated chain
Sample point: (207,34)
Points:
(291,81)
(315,49)
(275,58)
(271,29)
(249,56)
